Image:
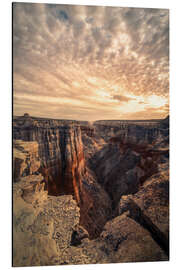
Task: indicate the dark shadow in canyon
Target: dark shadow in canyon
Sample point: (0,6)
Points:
(120,158)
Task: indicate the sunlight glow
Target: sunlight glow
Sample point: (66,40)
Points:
(156,101)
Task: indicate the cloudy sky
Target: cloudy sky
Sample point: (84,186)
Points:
(90,63)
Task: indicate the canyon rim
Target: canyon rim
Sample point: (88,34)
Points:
(90,134)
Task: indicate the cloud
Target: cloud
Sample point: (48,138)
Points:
(122,98)
(57,45)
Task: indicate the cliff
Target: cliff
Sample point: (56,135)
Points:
(61,152)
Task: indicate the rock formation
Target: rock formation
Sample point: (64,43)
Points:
(26,159)
(91,191)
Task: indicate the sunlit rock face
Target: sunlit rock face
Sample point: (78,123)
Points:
(59,149)
(112,169)
(63,166)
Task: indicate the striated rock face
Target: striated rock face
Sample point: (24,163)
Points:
(94,193)
(60,150)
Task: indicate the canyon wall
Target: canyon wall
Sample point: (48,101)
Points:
(123,154)
(98,164)
(60,150)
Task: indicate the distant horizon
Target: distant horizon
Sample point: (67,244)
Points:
(90,62)
(41,117)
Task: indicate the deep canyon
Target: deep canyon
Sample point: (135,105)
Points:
(90,192)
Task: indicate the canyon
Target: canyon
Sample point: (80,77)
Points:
(90,192)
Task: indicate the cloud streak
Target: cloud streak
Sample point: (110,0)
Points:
(122,98)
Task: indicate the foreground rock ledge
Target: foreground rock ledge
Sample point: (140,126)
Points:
(43,229)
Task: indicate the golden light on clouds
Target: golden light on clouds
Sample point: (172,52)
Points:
(90,63)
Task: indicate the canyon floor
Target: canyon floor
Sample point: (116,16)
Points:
(88,193)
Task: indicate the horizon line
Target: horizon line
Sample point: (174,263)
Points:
(64,119)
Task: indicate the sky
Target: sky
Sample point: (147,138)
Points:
(90,62)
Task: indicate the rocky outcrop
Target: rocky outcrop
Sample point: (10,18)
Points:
(26,160)
(150,206)
(130,241)
(42,224)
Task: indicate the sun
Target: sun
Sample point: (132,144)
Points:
(156,101)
